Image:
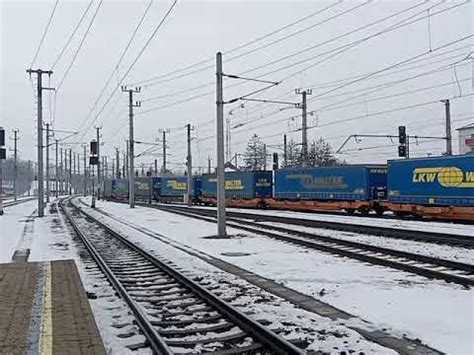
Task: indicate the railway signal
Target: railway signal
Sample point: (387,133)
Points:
(402,139)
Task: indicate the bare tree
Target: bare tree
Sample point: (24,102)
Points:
(254,156)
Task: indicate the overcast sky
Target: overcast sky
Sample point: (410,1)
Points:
(305,43)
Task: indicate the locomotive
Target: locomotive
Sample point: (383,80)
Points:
(437,187)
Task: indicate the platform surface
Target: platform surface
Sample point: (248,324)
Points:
(44,310)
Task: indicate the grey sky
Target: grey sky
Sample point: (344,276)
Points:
(196,30)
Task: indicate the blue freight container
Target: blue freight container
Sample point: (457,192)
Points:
(197,186)
(348,182)
(432,181)
(142,187)
(120,188)
(156,181)
(240,184)
(173,185)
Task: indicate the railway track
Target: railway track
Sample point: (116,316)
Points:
(13,203)
(435,268)
(175,313)
(406,234)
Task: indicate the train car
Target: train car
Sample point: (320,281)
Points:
(120,189)
(348,187)
(196,189)
(156,183)
(107,191)
(432,187)
(173,188)
(143,188)
(242,188)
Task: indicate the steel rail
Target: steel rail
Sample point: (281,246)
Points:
(260,333)
(157,343)
(311,241)
(406,234)
(17,202)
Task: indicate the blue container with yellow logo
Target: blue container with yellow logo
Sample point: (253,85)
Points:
(143,187)
(444,181)
(240,184)
(173,185)
(348,183)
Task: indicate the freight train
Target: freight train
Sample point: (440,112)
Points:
(440,187)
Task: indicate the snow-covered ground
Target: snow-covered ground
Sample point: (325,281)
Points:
(440,314)
(12,228)
(438,227)
(435,250)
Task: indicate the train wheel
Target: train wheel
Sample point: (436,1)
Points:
(350,211)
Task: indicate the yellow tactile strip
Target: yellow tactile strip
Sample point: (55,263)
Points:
(67,323)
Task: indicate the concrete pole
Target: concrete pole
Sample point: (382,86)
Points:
(131,179)
(208,165)
(15,164)
(449,141)
(304,131)
(98,163)
(47,163)
(221,218)
(285,151)
(61,170)
(39,132)
(190,170)
(56,170)
(117,157)
(127,170)
(85,171)
(70,171)
(164,152)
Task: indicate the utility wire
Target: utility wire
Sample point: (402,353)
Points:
(395,65)
(258,39)
(80,46)
(344,48)
(132,37)
(72,34)
(44,33)
(133,63)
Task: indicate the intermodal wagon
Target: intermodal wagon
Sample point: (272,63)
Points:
(348,187)
(432,186)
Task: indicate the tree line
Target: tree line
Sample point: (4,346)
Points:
(320,153)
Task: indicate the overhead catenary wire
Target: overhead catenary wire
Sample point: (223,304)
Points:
(73,33)
(44,34)
(160,23)
(58,88)
(115,68)
(258,39)
(344,47)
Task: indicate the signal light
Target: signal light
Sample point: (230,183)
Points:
(94,147)
(94,160)
(402,134)
(2,137)
(402,151)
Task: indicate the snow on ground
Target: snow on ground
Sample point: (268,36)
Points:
(447,252)
(436,227)
(12,225)
(440,314)
(48,238)
(327,335)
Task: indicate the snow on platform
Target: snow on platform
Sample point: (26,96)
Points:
(438,313)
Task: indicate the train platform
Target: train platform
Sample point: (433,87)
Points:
(44,309)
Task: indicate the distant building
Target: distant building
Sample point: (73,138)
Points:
(466,139)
